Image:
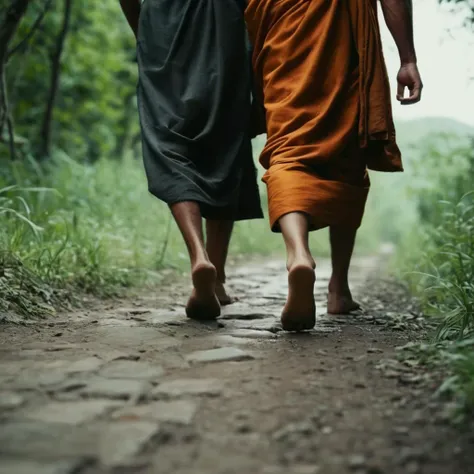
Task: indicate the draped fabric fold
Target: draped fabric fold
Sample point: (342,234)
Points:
(320,74)
(376,128)
(194,106)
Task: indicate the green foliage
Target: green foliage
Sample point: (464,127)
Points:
(449,287)
(442,248)
(438,257)
(95,112)
(99,229)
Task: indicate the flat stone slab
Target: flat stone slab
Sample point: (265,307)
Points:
(33,379)
(89,364)
(252,334)
(119,355)
(116,322)
(118,389)
(166,317)
(131,338)
(10,400)
(71,413)
(135,311)
(244,311)
(120,441)
(224,339)
(180,412)
(223,354)
(23,466)
(36,440)
(188,387)
(267,324)
(128,369)
(12,368)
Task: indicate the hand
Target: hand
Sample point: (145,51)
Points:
(409,77)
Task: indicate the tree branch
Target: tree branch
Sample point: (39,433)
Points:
(13,16)
(21,44)
(46,128)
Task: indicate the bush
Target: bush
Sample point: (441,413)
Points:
(94,228)
(438,260)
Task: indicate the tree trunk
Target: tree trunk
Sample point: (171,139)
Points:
(47,125)
(10,23)
(23,44)
(124,139)
(13,16)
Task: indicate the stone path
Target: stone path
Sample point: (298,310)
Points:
(137,388)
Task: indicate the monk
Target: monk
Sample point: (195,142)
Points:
(322,83)
(194,105)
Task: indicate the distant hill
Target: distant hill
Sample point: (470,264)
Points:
(411,131)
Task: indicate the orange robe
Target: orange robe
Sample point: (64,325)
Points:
(321,78)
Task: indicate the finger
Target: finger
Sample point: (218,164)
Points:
(414,97)
(400,92)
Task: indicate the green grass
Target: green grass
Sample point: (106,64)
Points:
(96,227)
(436,258)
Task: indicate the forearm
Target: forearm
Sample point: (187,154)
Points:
(398,16)
(131,9)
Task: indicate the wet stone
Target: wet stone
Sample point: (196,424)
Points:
(126,369)
(180,412)
(10,400)
(223,354)
(5,379)
(121,441)
(186,387)
(36,440)
(166,317)
(413,468)
(90,364)
(12,368)
(267,324)
(224,339)
(357,461)
(31,380)
(295,469)
(120,389)
(324,329)
(252,334)
(71,413)
(60,347)
(68,386)
(243,312)
(117,355)
(135,311)
(116,322)
(294,429)
(23,466)
(374,350)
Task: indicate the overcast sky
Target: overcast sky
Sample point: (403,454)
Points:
(446,61)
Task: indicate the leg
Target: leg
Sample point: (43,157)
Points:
(299,312)
(339,297)
(203,303)
(217,245)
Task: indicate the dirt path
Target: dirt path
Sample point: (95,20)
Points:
(143,390)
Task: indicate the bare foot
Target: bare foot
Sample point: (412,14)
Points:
(203,304)
(341,303)
(222,295)
(299,313)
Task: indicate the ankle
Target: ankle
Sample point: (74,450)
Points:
(300,258)
(199,258)
(221,277)
(339,286)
